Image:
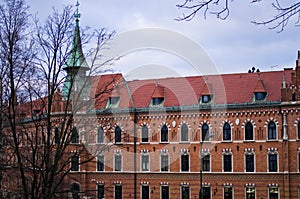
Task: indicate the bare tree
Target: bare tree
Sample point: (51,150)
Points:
(42,141)
(221,9)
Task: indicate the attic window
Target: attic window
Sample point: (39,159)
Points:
(205,98)
(260,96)
(157,101)
(113,101)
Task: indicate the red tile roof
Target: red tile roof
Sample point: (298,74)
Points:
(186,91)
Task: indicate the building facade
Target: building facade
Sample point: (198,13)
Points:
(217,136)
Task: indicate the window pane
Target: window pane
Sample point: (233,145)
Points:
(100,135)
(205,163)
(273,193)
(75,163)
(250,193)
(145,134)
(145,192)
(185,192)
(226,131)
(74,136)
(250,163)
(184,133)
(248,131)
(100,163)
(100,191)
(75,189)
(118,192)
(272,131)
(145,162)
(164,134)
(298,130)
(118,134)
(206,192)
(273,162)
(227,192)
(227,163)
(205,132)
(118,162)
(164,162)
(164,192)
(185,163)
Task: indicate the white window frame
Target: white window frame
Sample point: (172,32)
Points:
(270,187)
(273,153)
(160,162)
(118,154)
(228,153)
(141,158)
(228,186)
(181,190)
(245,162)
(189,161)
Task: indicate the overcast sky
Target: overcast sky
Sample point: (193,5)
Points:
(234,45)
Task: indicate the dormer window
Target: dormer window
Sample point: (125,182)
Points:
(157,101)
(113,101)
(259,96)
(205,98)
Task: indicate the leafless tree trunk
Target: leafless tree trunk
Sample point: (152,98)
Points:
(36,117)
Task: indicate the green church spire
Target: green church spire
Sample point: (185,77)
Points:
(76,65)
(76,58)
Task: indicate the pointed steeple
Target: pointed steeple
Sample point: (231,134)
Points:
(76,65)
(76,58)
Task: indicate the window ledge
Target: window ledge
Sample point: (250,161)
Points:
(249,140)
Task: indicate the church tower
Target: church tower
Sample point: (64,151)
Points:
(76,65)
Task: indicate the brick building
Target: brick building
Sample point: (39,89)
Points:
(229,135)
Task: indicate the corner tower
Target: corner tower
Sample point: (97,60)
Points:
(76,65)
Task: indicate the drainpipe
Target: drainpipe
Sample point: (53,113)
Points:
(134,151)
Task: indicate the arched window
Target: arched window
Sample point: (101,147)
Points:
(118,134)
(75,190)
(145,134)
(272,134)
(164,134)
(298,129)
(74,136)
(100,135)
(226,131)
(184,133)
(249,131)
(205,132)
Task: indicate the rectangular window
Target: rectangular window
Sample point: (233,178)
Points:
(206,193)
(250,193)
(185,192)
(118,191)
(118,163)
(227,163)
(249,163)
(145,192)
(164,192)
(205,162)
(273,162)
(273,193)
(100,163)
(185,165)
(145,162)
(228,193)
(298,162)
(164,163)
(75,163)
(100,191)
